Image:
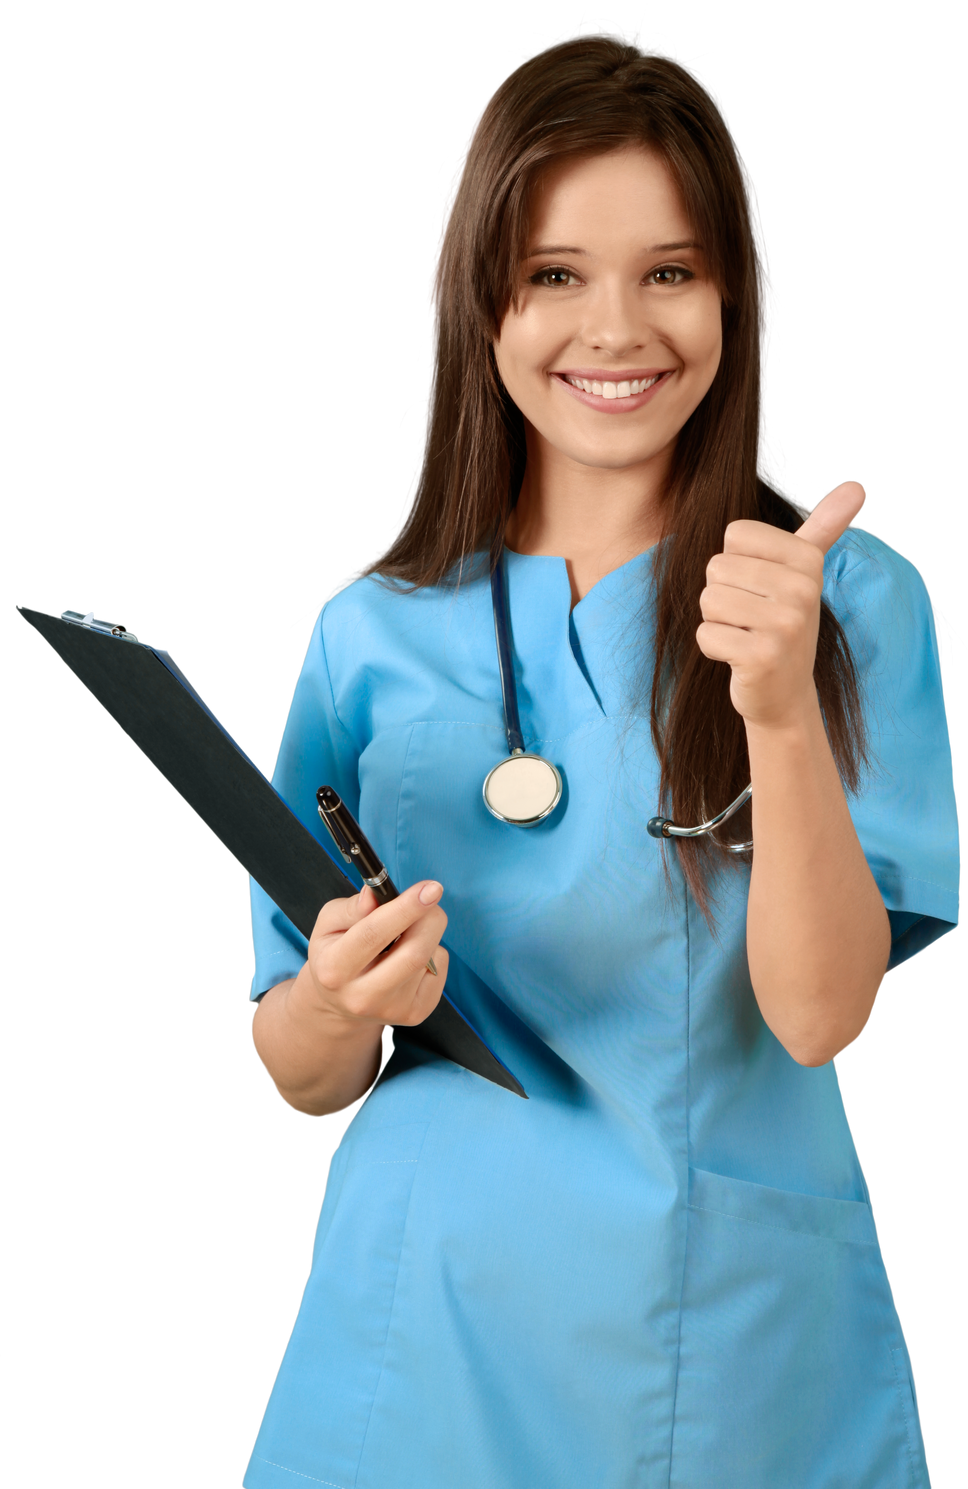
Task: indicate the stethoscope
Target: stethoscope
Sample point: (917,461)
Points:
(525,788)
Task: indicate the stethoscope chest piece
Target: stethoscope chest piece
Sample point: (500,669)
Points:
(523,789)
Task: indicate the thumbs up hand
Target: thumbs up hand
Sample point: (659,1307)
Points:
(761,608)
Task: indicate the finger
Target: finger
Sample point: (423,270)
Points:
(831,517)
(790,576)
(749,611)
(378,937)
(426,996)
(339,915)
(346,917)
(407,956)
(723,643)
(761,542)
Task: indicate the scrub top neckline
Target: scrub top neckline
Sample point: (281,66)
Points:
(610,584)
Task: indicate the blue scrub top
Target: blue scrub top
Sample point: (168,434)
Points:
(662,1269)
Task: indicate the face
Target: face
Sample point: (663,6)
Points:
(617,334)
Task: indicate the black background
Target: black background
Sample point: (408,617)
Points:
(221,261)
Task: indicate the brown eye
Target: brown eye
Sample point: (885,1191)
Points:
(542,274)
(673,268)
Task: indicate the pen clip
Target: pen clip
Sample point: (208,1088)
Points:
(343,844)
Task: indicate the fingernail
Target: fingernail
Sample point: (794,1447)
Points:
(430,893)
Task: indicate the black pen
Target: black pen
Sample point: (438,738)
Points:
(349,838)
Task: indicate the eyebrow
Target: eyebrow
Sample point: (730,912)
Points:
(543,250)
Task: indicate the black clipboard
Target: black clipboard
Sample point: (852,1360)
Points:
(157,706)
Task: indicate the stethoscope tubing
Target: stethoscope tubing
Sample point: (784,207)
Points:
(502,633)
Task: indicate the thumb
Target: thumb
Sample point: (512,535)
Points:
(832,516)
(360,905)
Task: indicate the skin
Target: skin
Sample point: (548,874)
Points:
(818,936)
(594,480)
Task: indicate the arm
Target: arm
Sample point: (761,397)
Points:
(817,933)
(818,936)
(319,1063)
(319,1034)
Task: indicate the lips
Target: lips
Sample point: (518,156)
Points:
(613,392)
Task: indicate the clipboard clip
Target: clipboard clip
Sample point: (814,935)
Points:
(104,627)
(343,844)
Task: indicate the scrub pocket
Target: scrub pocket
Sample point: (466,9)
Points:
(792,1368)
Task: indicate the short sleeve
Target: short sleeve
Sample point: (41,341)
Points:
(904,813)
(316,750)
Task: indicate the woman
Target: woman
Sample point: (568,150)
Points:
(662,1268)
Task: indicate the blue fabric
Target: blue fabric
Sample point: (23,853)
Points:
(662,1269)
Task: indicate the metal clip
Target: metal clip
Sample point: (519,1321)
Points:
(343,844)
(104,627)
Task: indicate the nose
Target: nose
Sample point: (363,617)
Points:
(617,322)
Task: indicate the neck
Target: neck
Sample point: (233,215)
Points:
(588,554)
(575,529)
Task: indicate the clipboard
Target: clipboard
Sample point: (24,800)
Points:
(153,701)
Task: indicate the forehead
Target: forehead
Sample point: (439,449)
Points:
(635,171)
(605,189)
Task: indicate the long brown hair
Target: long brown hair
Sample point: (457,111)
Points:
(584,97)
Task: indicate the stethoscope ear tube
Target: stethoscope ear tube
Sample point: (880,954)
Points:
(662,827)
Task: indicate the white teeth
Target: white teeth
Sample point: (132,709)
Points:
(625,389)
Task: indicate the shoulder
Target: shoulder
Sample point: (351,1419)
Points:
(374,605)
(881,601)
(865,576)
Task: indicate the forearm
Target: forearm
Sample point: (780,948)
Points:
(818,936)
(320,1063)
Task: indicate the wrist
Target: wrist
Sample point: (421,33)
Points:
(798,722)
(307,999)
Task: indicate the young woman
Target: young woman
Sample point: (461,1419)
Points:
(661,1269)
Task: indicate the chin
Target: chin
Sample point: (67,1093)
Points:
(611,454)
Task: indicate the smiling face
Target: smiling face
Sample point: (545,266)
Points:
(617,333)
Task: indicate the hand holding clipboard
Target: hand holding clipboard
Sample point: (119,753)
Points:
(157,706)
